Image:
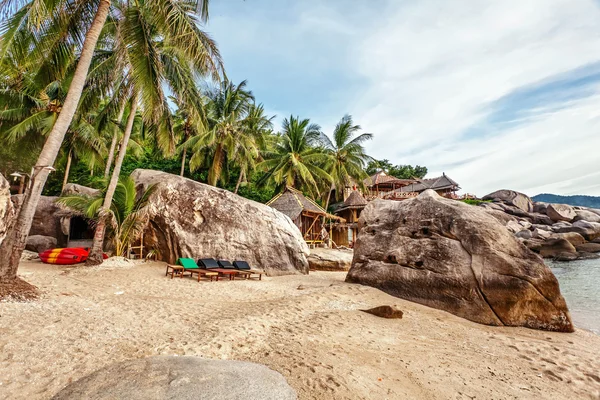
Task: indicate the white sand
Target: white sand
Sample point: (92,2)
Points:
(315,337)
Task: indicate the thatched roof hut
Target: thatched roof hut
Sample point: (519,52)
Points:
(304,212)
(354,201)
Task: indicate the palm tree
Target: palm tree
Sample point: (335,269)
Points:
(127,216)
(14,244)
(348,157)
(257,127)
(160,45)
(188,120)
(30,104)
(53,28)
(298,159)
(224,137)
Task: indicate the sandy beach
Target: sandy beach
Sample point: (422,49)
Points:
(309,328)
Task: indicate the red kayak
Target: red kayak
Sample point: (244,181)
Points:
(64,256)
(68,256)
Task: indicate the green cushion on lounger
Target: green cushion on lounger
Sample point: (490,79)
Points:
(187,263)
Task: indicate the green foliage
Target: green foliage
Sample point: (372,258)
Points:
(298,159)
(475,202)
(347,156)
(127,215)
(149,49)
(399,171)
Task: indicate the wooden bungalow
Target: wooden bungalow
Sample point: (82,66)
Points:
(443,185)
(308,216)
(380,184)
(344,233)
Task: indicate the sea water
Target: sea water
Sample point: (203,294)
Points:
(580,286)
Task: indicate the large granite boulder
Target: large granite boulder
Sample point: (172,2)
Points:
(47,220)
(555,247)
(589,230)
(515,199)
(561,212)
(39,243)
(572,237)
(540,207)
(448,255)
(6,208)
(560,225)
(501,216)
(76,189)
(587,215)
(589,247)
(191,219)
(180,378)
(541,219)
(321,259)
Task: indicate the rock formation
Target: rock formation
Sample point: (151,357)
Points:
(47,219)
(39,243)
(515,199)
(191,219)
(560,212)
(178,378)
(74,188)
(390,312)
(321,259)
(456,257)
(549,222)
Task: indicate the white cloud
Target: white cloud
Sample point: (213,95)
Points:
(434,67)
(422,74)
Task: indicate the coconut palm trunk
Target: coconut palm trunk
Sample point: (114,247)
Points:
(113,144)
(239,182)
(183,162)
(67,170)
(14,244)
(95,256)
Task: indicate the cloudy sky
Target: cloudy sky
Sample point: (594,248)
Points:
(495,93)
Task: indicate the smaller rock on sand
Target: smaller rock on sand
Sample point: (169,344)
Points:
(181,378)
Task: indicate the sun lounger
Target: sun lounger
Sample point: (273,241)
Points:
(244,266)
(189,265)
(212,265)
(225,264)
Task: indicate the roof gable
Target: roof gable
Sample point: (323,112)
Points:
(292,202)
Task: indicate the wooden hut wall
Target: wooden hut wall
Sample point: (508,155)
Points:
(340,236)
(308,221)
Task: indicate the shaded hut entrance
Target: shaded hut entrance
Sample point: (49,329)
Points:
(307,215)
(81,233)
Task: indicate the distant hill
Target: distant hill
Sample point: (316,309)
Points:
(576,200)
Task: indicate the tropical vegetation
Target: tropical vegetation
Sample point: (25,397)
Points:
(94,90)
(127,215)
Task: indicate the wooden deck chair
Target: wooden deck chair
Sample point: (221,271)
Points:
(211,264)
(244,266)
(225,264)
(189,265)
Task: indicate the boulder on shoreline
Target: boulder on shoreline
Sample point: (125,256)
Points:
(322,259)
(560,212)
(452,256)
(513,198)
(548,222)
(191,219)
